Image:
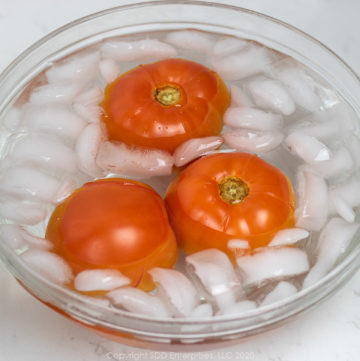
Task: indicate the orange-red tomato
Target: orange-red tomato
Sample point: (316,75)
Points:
(230,195)
(163,104)
(114,223)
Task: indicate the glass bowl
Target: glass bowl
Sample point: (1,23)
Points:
(163,16)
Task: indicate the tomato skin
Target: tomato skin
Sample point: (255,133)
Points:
(202,219)
(132,114)
(114,223)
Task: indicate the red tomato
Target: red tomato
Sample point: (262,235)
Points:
(163,104)
(230,195)
(115,223)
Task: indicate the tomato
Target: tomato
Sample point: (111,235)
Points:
(226,196)
(114,223)
(163,104)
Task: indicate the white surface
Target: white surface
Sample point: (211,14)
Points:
(29,331)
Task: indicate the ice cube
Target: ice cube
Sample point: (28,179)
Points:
(116,157)
(333,242)
(109,70)
(272,95)
(194,148)
(202,311)
(29,182)
(176,290)
(191,40)
(246,62)
(214,271)
(342,208)
(87,148)
(139,302)
(22,211)
(239,308)
(53,118)
(340,164)
(61,93)
(100,280)
(43,151)
(87,106)
(49,265)
(238,246)
(79,68)
(312,209)
(348,190)
(288,236)
(307,147)
(282,291)
(227,46)
(136,50)
(239,98)
(253,141)
(272,263)
(12,119)
(301,87)
(252,118)
(352,143)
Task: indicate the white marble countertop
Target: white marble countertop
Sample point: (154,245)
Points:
(30,331)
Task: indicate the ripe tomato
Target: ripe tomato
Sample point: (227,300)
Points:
(230,195)
(163,104)
(114,223)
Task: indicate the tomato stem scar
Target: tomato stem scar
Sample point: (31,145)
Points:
(233,190)
(167,95)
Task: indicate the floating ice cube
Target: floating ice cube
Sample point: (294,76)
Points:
(282,291)
(79,68)
(53,118)
(301,87)
(44,151)
(62,93)
(136,50)
(28,182)
(342,207)
(87,148)
(11,235)
(312,208)
(307,147)
(253,141)
(139,302)
(87,106)
(333,241)
(213,269)
(288,236)
(139,162)
(100,280)
(249,61)
(327,125)
(191,40)
(12,119)
(194,148)
(271,94)
(22,211)
(349,191)
(352,143)
(202,311)
(340,164)
(227,46)
(239,307)
(109,70)
(239,98)
(48,265)
(272,263)
(176,290)
(252,118)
